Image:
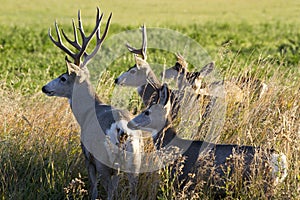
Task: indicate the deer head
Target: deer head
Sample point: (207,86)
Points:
(195,79)
(77,71)
(179,69)
(179,72)
(156,116)
(137,75)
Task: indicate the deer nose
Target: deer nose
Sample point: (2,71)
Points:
(132,125)
(44,89)
(116,81)
(47,91)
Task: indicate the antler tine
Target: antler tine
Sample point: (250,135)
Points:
(180,56)
(59,42)
(97,31)
(106,29)
(181,60)
(80,27)
(133,50)
(144,45)
(86,40)
(74,43)
(142,51)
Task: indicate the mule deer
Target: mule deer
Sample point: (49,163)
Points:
(140,75)
(102,126)
(184,78)
(191,80)
(195,82)
(156,119)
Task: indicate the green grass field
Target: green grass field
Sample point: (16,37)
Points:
(154,13)
(40,150)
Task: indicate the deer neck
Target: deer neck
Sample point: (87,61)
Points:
(168,137)
(162,138)
(147,90)
(165,136)
(83,101)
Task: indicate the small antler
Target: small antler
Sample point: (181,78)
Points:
(181,60)
(85,40)
(142,51)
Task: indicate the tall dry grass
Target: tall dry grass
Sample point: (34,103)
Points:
(40,148)
(40,141)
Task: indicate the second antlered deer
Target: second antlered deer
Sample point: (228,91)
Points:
(143,78)
(140,75)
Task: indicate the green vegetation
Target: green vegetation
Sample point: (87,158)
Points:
(151,12)
(39,138)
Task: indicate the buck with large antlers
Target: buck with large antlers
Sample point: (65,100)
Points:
(207,161)
(104,131)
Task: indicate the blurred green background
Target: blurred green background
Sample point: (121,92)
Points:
(153,12)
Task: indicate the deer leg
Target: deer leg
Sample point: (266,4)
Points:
(133,182)
(112,186)
(92,172)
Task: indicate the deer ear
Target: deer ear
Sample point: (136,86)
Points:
(72,68)
(164,99)
(207,69)
(164,94)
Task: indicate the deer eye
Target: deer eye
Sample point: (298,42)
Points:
(63,79)
(147,112)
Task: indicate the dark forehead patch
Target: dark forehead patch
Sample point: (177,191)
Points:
(191,76)
(66,73)
(177,66)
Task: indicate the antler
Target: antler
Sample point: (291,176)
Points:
(142,51)
(181,60)
(85,40)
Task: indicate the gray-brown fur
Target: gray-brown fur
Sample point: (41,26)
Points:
(140,75)
(194,80)
(205,159)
